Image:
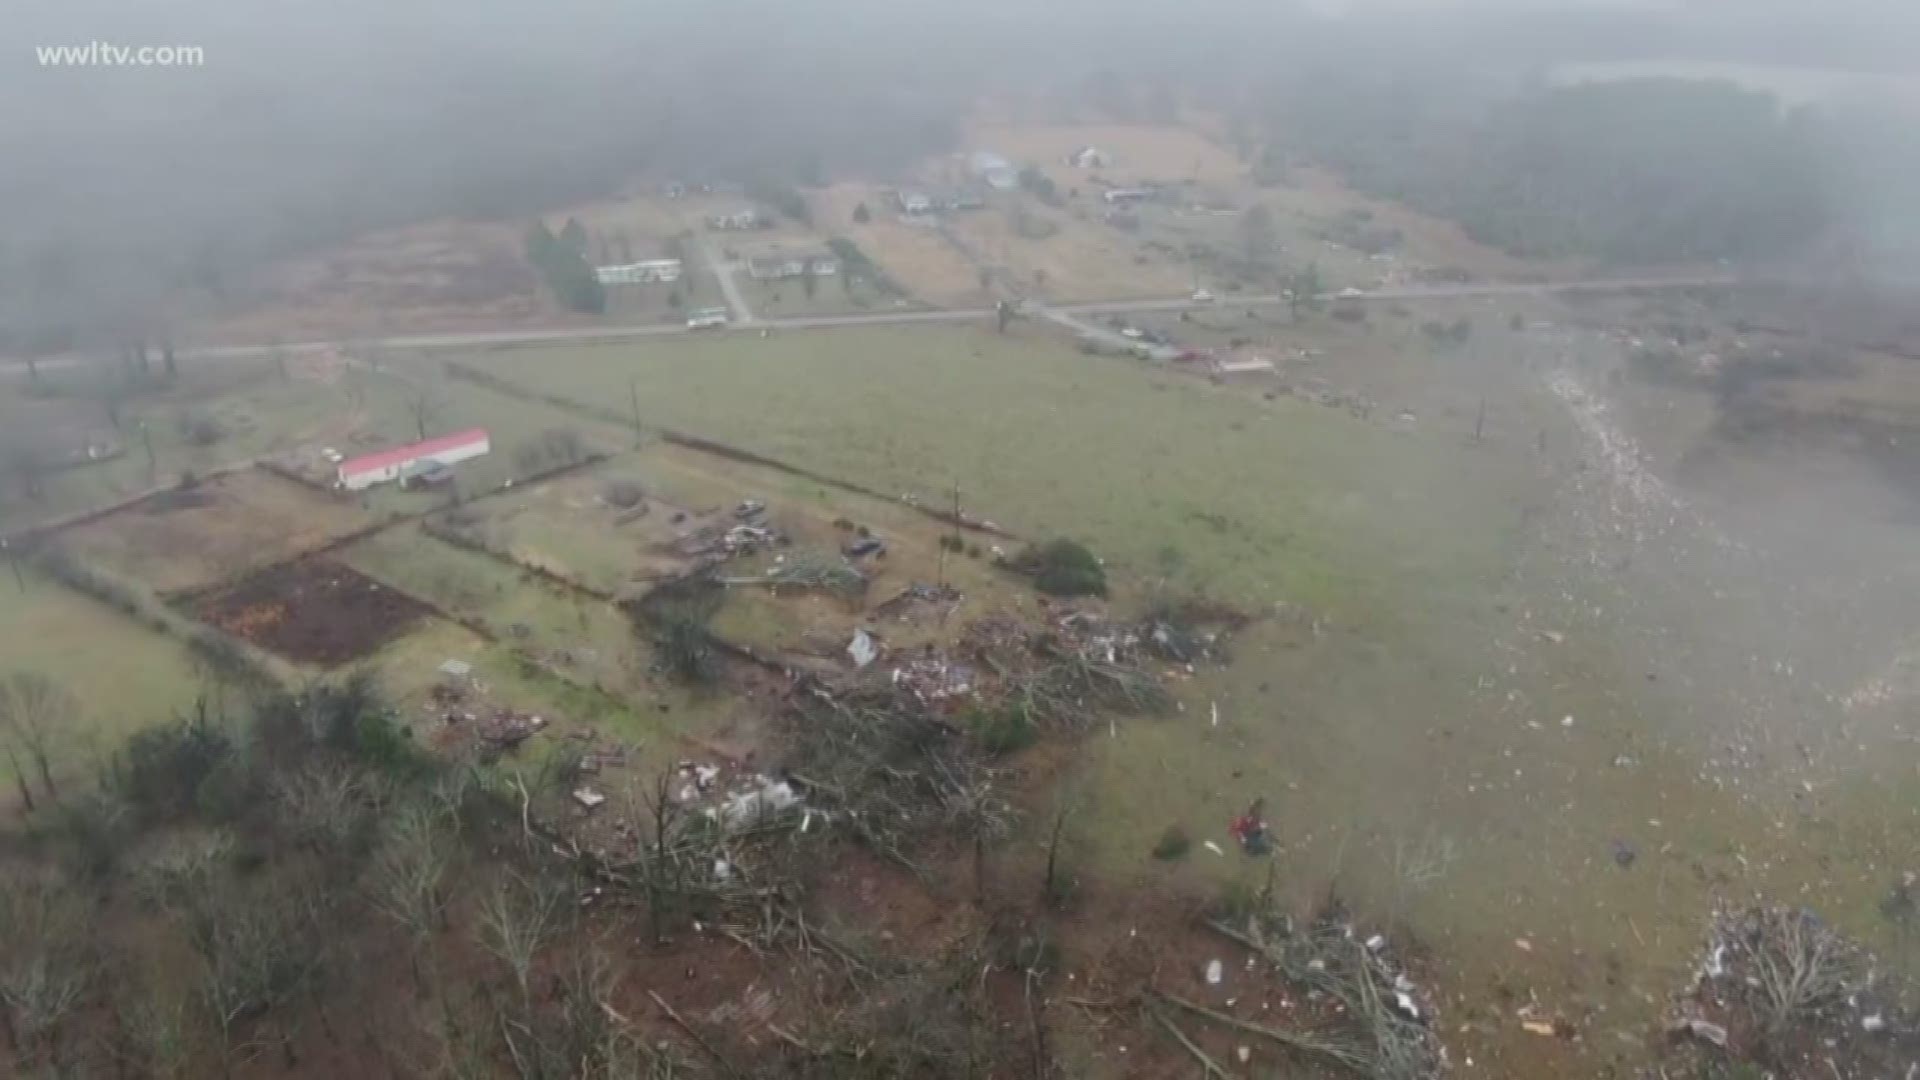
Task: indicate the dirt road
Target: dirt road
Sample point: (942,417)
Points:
(723,270)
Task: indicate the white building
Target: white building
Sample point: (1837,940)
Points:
(389,465)
(645,272)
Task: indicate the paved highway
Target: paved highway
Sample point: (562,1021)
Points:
(1073,316)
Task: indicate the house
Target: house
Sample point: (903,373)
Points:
(1089,157)
(996,171)
(645,272)
(363,472)
(915,202)
(781,264)
(737,221)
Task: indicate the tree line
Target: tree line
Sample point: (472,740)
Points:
(1645,170)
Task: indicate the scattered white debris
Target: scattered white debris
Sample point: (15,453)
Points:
(588,797)
(1704,1030)
(862,649)
(1213,847)
(748,807)
(1215,972)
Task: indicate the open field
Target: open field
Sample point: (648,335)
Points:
(1054,441)
(580,636)
(569,528)
(194,537)
(216,416)
(913,254)
(1067,255)
(124,675)
(442,275)
(1453,712)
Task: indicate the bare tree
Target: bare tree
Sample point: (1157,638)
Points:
(1796,963)
(32,709)
(26,466)
(424,404)
(259,950)
(20,779)
(519,917)
(409,877)
(153,1035)
(326,806)
(46,968)
(1053,891)
(981,815)
(657,862)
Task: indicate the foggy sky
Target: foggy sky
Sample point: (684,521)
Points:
(313,119)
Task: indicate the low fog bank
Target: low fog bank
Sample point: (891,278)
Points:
(313,121)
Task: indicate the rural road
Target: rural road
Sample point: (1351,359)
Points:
(1073,316)
(723,270)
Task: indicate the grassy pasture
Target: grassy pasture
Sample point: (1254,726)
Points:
(124,675)
(216,531)
(1265,501)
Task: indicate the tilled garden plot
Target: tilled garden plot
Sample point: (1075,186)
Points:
(316,611)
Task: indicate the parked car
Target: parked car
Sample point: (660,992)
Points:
(707,319)
(1202,296)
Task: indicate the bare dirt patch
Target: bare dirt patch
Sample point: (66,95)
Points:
(317,611)
(194,537)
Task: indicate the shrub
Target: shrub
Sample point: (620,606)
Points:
(676,616)
(1173,844)
(623,493)
(1002,731)
(164,766)
(1064,568)
(225,792)
(200,430)
(92,833)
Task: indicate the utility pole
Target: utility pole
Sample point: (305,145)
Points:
(1480,421)
(146,436)
(633,392)
(945,547)
(13,559)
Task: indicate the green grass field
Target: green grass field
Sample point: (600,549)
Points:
(1263,501)
(124,675)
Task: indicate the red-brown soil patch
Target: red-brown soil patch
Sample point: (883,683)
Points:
(317,611)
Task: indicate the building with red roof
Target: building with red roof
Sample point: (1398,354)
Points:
(389,465)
